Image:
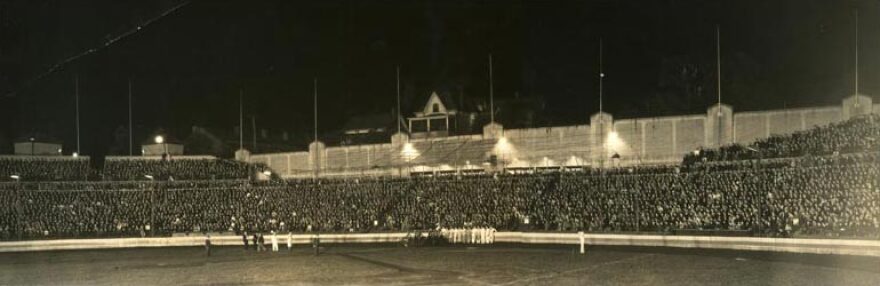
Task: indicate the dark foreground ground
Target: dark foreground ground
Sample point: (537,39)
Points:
(383,265)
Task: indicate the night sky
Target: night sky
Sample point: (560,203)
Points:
(187,67)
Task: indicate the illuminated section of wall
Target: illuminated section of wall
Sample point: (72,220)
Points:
(601,125)
(605,142)
(504,151)
(409,152)
(558,144)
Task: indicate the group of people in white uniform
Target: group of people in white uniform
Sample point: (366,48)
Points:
(476,235)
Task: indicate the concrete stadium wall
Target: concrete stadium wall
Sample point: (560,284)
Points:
(47,157)
(156,149)
(794,245)
(159,157)
(195,240)
(37,148)
(545,147)
(284,163)
(657,140)
(637,141)
(751,126)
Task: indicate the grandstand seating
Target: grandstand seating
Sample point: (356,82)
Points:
(817,196)
(855,135)
(176,169)
(71,169)
(453,152)
(835,191)
(55,168)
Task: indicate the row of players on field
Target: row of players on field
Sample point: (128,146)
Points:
(469,235)
(454,235)
(259,242)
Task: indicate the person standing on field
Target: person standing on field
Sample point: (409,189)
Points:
(316,243)
(274,241)
(256,242)
(244,239)
(208,244)
(289,241)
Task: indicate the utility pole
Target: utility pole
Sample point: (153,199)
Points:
(130,137)
(718,80)
(76,83)
(718,61)
(254,130)
(601,108)
(601,76)
(316,109)
(397,120)
(240,119)
(856,83)
(491,92)
(317,158)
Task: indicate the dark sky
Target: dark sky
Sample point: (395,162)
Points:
(188,67)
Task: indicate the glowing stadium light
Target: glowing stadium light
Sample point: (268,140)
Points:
(15,177)
(503,146)
(572,161)
(159,139)
(505,151)
(59,150)
(613,141)
(409,152)
(613,136)
(75,154)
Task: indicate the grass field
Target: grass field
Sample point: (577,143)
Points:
(384,265)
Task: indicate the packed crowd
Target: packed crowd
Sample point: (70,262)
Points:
(37,169)
(67,169)
(176,169)
(838,196)
(832,192)
(859,134)
(828,195)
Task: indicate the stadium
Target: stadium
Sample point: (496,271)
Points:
(448,191)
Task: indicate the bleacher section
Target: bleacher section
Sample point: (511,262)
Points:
(824,196)
(824,185)
(133,169)
(49,168)
(855,135)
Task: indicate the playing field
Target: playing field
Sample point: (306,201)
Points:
(486,265)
